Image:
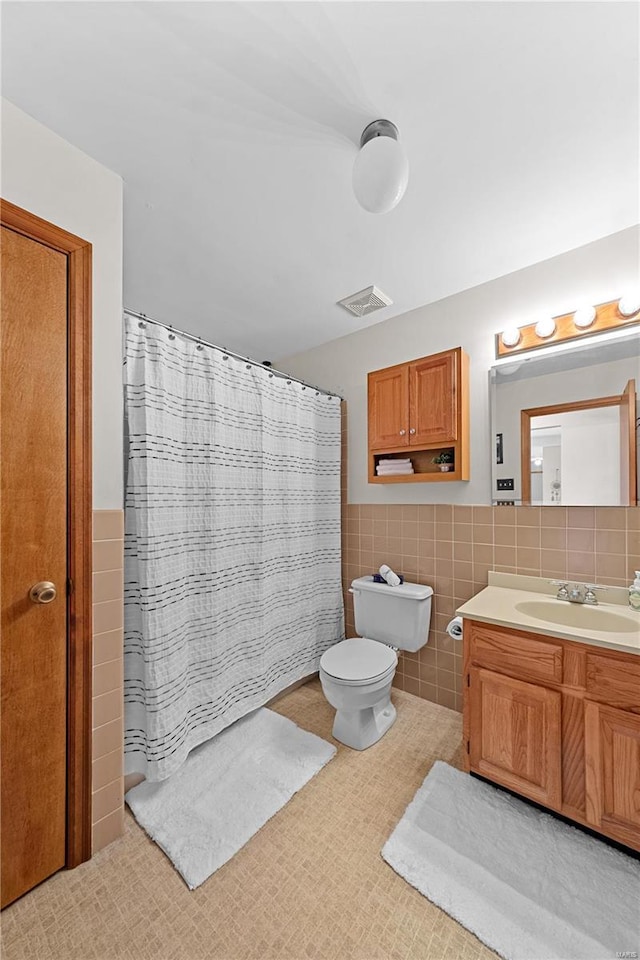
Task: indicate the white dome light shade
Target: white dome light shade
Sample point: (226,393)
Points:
(584,317)
(629,304)
(381,170)
(545,327)
(511,337)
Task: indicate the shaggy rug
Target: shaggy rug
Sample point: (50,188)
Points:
(528,885)
(226,790)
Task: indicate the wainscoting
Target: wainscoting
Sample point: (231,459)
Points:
(107,787)
(452,548)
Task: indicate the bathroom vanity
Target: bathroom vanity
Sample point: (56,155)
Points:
(552,701)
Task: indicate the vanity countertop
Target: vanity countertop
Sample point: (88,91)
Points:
(530,604)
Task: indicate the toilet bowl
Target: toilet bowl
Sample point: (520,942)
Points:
(356,677)
(357,674)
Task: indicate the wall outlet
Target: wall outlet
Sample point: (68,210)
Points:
(505,484)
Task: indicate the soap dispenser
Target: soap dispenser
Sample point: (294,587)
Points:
(634,593)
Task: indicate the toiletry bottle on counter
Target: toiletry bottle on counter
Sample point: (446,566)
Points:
(634,592)
(387,574)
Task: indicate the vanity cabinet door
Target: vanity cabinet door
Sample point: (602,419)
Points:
(612,756)
(389,408)
(515,735)
(432,399)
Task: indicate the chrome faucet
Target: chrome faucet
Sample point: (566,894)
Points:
(578,592)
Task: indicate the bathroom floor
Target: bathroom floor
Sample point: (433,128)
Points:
(311,885)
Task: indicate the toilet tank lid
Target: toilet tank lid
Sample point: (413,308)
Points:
(409,591)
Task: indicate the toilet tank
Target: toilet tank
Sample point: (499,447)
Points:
(398,616)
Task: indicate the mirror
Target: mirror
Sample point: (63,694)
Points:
(565,425)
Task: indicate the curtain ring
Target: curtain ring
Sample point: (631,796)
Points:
(248,366)
(199,347)
(225,357)
(172,336)
(141,324)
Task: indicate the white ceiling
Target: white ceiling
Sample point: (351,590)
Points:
(235,126)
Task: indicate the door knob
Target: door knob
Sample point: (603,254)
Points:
(43,592)
(413,430)
(402,433)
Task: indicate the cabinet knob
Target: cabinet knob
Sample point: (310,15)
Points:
(413,430)
(402,433)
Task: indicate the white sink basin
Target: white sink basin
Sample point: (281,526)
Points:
(577,615)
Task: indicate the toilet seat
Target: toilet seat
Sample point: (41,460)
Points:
(358,661)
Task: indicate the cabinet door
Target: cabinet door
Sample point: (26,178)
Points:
(432,399)
(612,756)
(515,735)
(389,408)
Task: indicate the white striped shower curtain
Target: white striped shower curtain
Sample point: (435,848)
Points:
(232,542)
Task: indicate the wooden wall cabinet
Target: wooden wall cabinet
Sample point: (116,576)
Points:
(418,410)
(558,722)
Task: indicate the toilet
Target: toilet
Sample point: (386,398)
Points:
(356,674)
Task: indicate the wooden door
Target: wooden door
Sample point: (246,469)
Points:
(515,735)
(612,757)
(432,399)
(389,408)
(34,549)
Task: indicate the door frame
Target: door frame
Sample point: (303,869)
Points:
(571,406)
(79,519)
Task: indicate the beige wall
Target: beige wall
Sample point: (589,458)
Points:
(595,273)
(49,177)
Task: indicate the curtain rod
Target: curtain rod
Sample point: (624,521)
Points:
(229,353)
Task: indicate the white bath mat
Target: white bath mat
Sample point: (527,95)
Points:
(528,885)
(226,790)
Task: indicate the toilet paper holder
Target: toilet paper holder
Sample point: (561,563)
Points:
(454,628)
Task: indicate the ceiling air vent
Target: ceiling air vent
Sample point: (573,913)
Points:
(365,301)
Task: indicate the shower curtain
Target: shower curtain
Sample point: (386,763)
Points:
(232,542)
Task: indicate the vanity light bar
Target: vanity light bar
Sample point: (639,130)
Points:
(584,322)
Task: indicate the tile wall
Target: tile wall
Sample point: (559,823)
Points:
(452,548)
(108,536)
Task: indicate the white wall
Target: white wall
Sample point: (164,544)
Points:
(591,457)
(595,273)
(49,177)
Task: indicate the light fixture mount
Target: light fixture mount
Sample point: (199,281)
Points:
(378,128)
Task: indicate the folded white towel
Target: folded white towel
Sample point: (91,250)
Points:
(393,471)
(394,461)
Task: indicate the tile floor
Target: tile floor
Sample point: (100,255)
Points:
(311,885)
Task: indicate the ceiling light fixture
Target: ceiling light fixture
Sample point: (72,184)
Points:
(584,317)
(511,337)
(545,327)
(381,170)
(629,304)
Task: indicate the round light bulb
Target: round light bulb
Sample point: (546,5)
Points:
(584,317)
(545,327)
(511,337)
(380,174)
(629,304)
